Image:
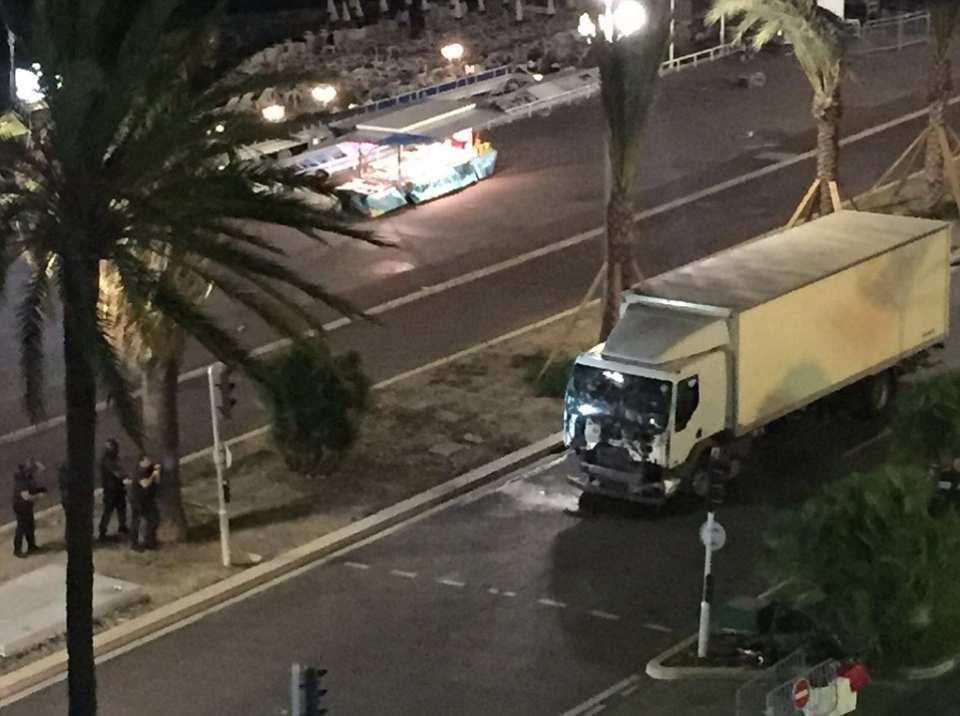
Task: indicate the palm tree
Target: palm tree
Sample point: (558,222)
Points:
(819,39)
(131,168)
(152,346)
(944,15)
(629,68)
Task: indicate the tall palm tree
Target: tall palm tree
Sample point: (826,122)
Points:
(944,16)
(819,41)
(132,166)
(152,346)
(629,68)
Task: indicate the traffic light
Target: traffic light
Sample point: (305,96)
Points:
(226,387)
(313,692)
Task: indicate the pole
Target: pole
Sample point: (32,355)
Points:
(295,690)
(218,463)
(673,14)
(707,597)
(723,29)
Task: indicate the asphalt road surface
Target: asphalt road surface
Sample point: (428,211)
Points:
(503,603)
(547,190)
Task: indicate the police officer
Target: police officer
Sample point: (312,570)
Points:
(112,480)
(143,504)
(26,492)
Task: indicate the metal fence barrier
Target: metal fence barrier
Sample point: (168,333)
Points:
(892,33)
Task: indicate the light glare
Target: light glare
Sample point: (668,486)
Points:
(274,113)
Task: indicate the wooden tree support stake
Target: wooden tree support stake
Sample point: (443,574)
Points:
(574,317)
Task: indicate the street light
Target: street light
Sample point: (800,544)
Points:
(274,113)
(324,94)
(627,18)
(452,52)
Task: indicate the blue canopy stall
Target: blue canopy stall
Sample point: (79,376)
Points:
(413,155)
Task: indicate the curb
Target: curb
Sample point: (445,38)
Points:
(106,642)
(656,670)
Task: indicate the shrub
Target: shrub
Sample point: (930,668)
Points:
(878,570)
(315,402)
(552,383)
(927,422)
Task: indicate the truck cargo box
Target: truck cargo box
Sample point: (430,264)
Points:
(819,306)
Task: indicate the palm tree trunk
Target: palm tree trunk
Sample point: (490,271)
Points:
(941,85)
(826,113)
(620,264)
(162,428)
(79,286)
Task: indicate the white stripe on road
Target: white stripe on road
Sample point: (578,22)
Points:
(605,615)
(401,573)
(629,690)
(590,703)
(356,565)
(657,627)
(452,583)
(885,433)
(552,603)
(595,710)
(493,269)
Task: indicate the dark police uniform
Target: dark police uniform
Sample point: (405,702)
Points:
(24,482)
(143,504)
(114,491)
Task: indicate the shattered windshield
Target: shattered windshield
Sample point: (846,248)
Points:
(644,402)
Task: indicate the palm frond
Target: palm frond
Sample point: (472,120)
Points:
(944,16)
(114,379)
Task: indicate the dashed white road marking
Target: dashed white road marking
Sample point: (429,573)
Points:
(401,573)
(586,708)
(356,565)
(629,690)
(493,590)
(595,710)
(551,603)
(867,443)
(604,615)
(508,594)
(452,583)
(658,627)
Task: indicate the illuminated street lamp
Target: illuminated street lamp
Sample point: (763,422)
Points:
(324,94)
(452,52)
(628,18)
(274,113)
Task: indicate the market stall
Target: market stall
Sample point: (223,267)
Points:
(410,156)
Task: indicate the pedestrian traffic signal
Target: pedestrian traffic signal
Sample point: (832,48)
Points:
(226,387)
(313,692)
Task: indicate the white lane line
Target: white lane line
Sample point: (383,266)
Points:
(508,594)
(658,627)
(356,565)
(604,615)
(401,573)
(452,583)
(595,710)
(493,590)
(629,690)
(552,603)
(428,291)
(585,707)
(867,443)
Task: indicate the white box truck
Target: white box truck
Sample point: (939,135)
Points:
(708,354)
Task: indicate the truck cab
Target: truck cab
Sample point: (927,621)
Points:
(640,413)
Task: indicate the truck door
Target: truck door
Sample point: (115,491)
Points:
(699,406)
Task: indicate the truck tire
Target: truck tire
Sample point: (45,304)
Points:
(877,394)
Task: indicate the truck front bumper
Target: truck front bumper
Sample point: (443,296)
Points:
(624,486)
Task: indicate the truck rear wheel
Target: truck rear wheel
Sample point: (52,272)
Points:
(878,393)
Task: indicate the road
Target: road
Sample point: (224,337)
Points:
(548,190)
(500,604)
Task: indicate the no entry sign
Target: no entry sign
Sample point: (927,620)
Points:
(801,693)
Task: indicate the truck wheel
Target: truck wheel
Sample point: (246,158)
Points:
(878,393)
(588,503)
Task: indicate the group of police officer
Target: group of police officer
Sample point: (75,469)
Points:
(118,489)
